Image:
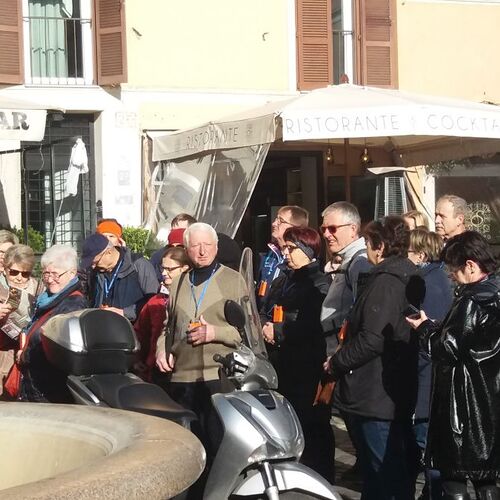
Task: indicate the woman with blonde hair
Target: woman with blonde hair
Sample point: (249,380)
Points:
(415,219)
(424,251)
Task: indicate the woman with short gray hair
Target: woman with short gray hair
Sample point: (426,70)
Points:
(40,381)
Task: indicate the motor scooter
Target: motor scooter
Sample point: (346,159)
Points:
(262,442)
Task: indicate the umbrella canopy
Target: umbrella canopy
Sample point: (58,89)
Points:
(22,120)
(416,128)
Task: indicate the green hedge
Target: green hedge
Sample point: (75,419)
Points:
(139,241)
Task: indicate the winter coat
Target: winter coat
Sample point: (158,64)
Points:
(437,302)
(300,339)
(135,283)
(464,427)
(40,381)
(148,328)
(376,365)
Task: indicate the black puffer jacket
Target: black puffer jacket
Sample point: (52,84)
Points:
(464,430)
(377,364)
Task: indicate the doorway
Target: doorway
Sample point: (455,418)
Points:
(287,178)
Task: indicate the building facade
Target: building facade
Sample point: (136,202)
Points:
(120,69)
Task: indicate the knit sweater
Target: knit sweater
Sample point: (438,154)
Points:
(195,363)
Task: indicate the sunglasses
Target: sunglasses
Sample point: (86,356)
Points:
(332,229)
(15,272)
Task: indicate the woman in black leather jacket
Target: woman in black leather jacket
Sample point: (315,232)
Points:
(464,430)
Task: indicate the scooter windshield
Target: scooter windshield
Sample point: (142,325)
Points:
(253,330)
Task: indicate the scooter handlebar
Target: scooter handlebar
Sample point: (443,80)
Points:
(226,363)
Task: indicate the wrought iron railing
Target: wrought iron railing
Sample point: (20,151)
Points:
(56,48)
(343,56)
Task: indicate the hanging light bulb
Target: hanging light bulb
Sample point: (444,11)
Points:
(365,157)
(329,155)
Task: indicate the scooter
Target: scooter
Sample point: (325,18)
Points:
(262,441)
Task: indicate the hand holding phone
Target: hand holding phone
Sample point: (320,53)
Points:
(411,312)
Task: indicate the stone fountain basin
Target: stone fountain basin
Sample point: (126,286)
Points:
(77,452)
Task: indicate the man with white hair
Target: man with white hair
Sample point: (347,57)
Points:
(340,228)
(196,328)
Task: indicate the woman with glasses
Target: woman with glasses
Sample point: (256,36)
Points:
(149,325)
(464,429)
(293,326)
(18,289)
(40,381)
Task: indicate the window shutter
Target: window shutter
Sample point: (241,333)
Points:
(314,44)
(11,42)
(378,51)
(111,52)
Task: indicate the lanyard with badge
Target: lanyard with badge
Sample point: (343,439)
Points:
(108,284)
(197,302)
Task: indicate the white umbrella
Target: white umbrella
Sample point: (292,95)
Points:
(416,128)
(22,120)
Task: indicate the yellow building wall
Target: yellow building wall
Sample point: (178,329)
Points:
(196,44)
(450,49)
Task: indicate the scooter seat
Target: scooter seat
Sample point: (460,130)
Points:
(128,392)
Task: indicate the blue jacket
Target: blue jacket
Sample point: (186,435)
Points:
(134,284)
(269,270)
(437,302)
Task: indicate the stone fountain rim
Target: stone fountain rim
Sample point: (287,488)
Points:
(142,447)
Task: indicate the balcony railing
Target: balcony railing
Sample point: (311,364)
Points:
(59,50)
(343,56)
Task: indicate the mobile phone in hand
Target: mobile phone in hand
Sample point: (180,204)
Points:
(411,312)
(14,298)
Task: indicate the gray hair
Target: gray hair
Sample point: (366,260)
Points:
(348,211)
(19,254)
(459,204)
(199,227)
(60,256)
(8,237)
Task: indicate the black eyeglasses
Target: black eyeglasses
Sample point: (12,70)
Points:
(283,221)
(55,276)
(15,272)
(332,228)
(168,270)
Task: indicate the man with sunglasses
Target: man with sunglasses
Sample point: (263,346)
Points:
(340,229)
(269,270)
(117,280)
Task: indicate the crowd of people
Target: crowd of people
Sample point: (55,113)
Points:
(393,325)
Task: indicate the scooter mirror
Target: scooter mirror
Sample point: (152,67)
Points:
(234,314)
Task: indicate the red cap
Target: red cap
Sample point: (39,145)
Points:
(176,236)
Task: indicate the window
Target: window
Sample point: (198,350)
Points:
(343,41)
(46,204)
(58,42)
